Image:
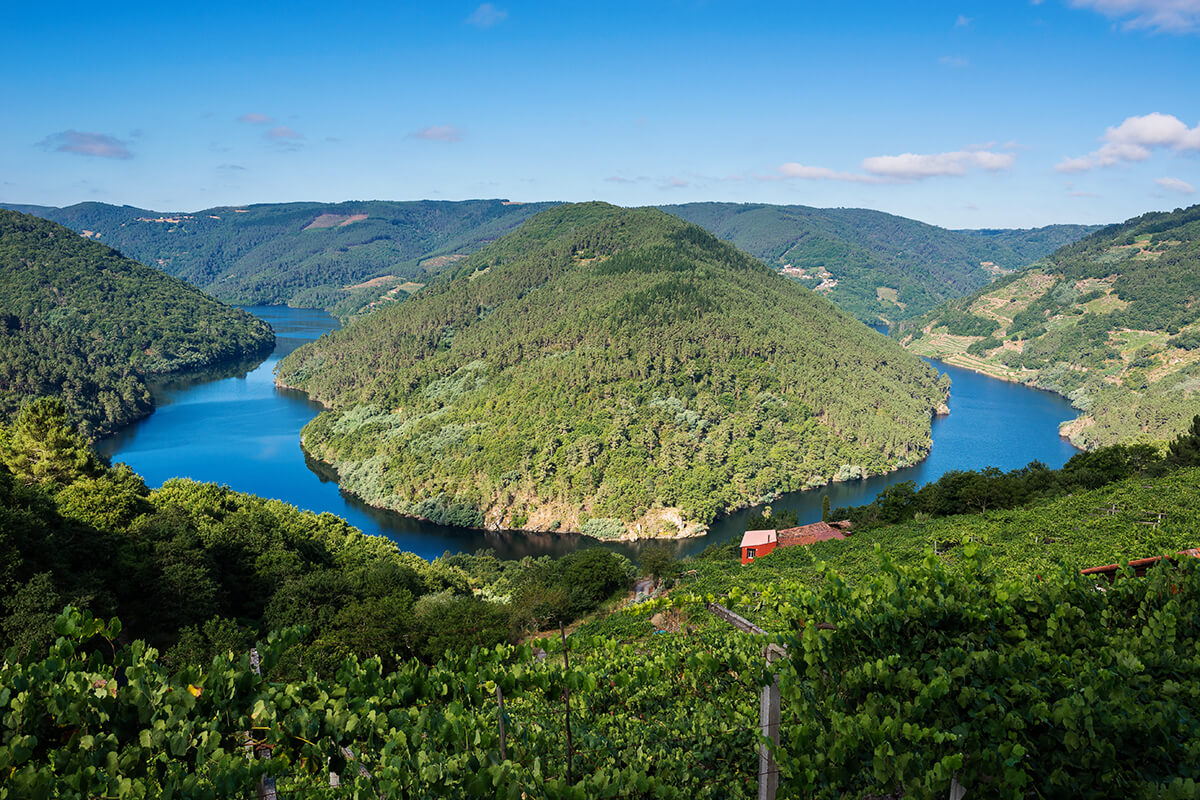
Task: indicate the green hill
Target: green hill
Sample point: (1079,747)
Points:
(613,371)
(873,265)
(313,255)
(1112,322)
(83,323)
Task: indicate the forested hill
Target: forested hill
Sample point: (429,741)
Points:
(612,371)
(1112,322)
(81,322)
(874,265)
(303,254)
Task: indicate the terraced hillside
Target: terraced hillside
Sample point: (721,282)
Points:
(1112,322)
(876,266)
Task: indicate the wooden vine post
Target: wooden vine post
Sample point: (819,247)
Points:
(500,719)
(562,631)
(266,784)
(768,721)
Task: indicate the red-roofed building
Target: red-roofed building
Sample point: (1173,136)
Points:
(757,543)
(809,534)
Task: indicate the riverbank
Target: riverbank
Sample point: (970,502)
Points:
(243,431)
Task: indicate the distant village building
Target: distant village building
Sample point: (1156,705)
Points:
(756,544)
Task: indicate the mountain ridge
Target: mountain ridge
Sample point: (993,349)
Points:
(875,265)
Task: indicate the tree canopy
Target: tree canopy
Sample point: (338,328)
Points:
(602,369)
(80,322)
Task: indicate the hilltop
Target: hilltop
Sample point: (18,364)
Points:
(876,266)
(346,257)
(83,323)
(1112,322)
(615,371)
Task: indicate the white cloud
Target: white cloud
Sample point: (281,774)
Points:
(957,62)
(1176,185)
(83,143)
(439,133)
(794,170)
(1175,16)
(1134,139)
(254,118)
(914,166)
(962,22)
(486,16)
(675,183)
(905,168)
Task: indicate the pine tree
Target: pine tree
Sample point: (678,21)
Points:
(825,513)
(41,447)
(1185,451)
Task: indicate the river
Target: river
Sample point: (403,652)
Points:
(235,427)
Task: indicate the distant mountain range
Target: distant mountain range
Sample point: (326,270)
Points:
(80,322)
(311,255)
(876,266)
(1112,322)
(352,257)
(615,371)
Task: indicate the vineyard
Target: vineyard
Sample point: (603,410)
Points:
(919,675)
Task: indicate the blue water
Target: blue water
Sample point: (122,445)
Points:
(240,430)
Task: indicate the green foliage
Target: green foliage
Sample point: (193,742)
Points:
(82,323)
(930,672)
(41,447)
(864,250)
(672,721)
(967,491)
(198,570)
(769,518)
(270,254)
(608,362)
(959,323)
(658,560)
(1185,450)
(1049,688)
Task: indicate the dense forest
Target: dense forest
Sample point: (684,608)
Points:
(612,371)
(966,649)
(197,569)
(873,265)
(1112,322)
(81,322)
(307,255)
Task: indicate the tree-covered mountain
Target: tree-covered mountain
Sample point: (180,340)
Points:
(81,322)
(608,370)
(313,255)
(1112,322)
(874,265)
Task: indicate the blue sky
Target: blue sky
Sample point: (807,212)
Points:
(964,114)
